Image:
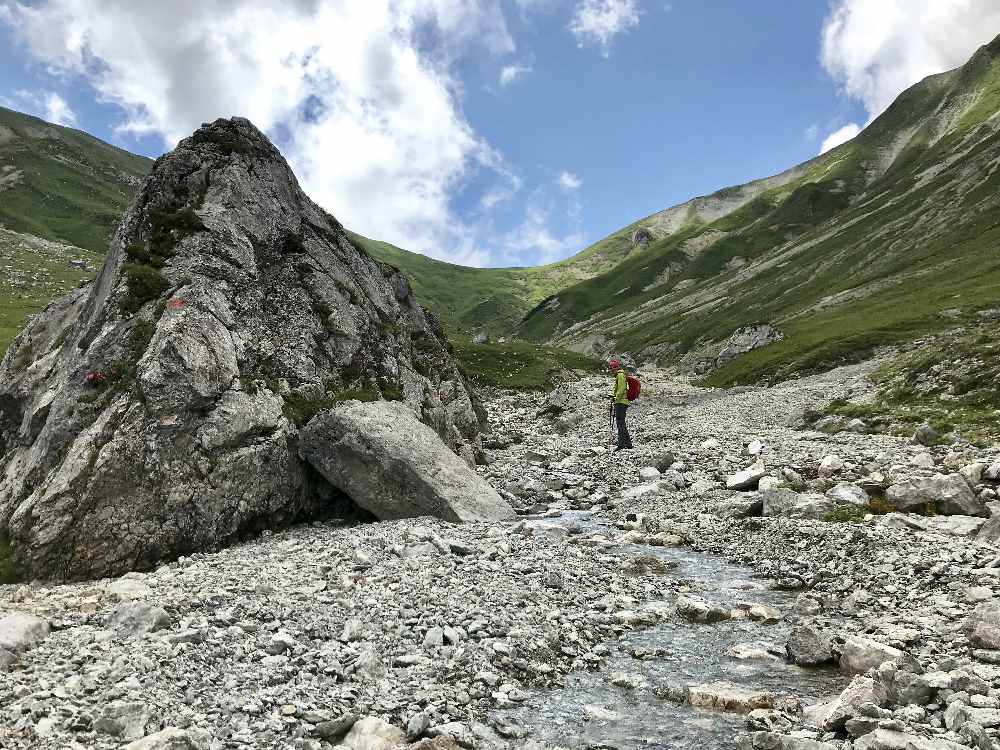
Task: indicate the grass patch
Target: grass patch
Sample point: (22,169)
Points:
(847,514)
(519,366)
(145,284)
(952,384)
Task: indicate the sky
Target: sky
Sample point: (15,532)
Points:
(489,132)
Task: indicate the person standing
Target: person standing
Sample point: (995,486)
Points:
(620,402)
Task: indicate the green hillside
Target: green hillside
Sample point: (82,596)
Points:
(62,184)
(888,237)
(62,193)
(467,299)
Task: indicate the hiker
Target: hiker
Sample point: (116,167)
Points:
(620,402)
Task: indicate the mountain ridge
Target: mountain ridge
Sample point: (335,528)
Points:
(673,286)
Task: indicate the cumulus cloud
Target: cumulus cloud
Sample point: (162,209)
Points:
(510,73)
(876,49)
(45,104)
(570,181)
(600,21)
(58,111)
(359,95)
(840,136)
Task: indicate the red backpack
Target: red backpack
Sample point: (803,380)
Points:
(632,387)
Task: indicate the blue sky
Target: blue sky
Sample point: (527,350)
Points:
(489,132)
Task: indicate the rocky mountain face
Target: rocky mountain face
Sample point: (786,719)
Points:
(884,239)
(156,411)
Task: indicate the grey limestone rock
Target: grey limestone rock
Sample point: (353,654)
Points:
(156,411)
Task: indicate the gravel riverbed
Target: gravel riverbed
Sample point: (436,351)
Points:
(425,634)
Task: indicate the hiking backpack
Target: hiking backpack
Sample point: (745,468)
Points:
(632,387)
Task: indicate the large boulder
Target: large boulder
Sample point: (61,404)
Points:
(789,504)
(20,631)
(859,654)
(808,647)
(947,494)
(832,715)
(394,466)
(156,411)
(982,626)
(747,339)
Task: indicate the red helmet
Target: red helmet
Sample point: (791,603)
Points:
(615,364)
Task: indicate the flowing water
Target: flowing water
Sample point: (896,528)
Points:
(683,654)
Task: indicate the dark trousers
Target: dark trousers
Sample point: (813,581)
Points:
(624,439)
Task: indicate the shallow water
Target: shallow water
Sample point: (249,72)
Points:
(694,654)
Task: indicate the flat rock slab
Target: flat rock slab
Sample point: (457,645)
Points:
(394,466)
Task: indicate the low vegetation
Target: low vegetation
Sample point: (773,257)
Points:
(951,381)
(519,366)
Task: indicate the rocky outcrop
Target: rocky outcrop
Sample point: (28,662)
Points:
(394,466)
(747,339)
(157,411)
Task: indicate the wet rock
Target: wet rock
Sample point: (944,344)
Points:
(701,611)
(808,647)
(832,716)
(726,696)
(394,466)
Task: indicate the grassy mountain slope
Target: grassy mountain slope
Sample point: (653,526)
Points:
(866,245)
(470,299)
(33,272)
(62,184)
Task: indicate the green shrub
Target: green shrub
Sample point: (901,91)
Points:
(6,560)
(145,284)
(846,514)
(880,506)
(24,357)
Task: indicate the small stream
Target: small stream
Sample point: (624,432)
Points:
(684,654)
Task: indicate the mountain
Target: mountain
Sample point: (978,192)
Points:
(891,236)
(63,184)
(470,299)
(62,193)
(885,239)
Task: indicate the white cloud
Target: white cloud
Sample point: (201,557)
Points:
(510,73)
(877,48)
(570,181)
(47,105)
(535,236)
(58,111)
(840,136)
(600,21)
(360,95)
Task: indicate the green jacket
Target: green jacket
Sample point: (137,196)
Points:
(621,388)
